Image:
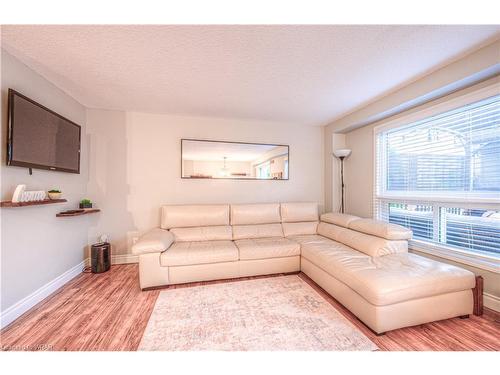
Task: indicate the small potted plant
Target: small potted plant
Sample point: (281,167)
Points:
(85,203)
(55,194)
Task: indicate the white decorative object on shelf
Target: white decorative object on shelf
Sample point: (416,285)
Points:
(18,193)
(33,196)
(103,238)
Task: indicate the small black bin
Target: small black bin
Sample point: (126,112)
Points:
(100,257)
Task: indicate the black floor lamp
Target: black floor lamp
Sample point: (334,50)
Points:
(341,155)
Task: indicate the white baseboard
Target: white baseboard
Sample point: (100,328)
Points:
(19,308)
(491,302)
(119,259)
(124,259)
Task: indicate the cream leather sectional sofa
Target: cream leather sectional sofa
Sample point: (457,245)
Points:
(363,263)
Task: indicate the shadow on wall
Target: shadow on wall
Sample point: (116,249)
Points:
(108,185)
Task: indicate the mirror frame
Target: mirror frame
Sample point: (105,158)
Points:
(235,178)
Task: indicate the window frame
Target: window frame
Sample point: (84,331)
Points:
(466,200)
(259,167)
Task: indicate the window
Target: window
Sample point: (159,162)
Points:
(440,176)
(264,170)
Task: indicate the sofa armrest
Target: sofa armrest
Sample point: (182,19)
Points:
(155,241)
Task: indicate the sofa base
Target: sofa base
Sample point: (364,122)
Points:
(202,272)
(378,318)
(152,274)
(270,266)
(386,318)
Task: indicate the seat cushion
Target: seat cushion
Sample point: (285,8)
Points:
(201,252)
(307,238)
(264,248)
(388,279)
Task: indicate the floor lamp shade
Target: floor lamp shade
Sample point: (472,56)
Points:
(342,154)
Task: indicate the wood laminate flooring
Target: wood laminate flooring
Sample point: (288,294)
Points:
(109,312)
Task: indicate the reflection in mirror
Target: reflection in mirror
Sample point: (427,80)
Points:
(232,160)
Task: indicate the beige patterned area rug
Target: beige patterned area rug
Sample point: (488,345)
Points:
(276,313)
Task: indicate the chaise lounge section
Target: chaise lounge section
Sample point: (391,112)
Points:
(370,271)
(363,263)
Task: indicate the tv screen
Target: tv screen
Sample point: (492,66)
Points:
(41,138)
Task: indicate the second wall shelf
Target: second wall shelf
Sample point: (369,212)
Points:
(84,212)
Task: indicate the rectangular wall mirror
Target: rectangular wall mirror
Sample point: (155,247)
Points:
(234,160)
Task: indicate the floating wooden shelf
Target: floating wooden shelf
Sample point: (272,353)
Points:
(85,212)
(35,203)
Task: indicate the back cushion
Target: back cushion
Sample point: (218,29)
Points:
(186,216)
(241,232)
(329,230)
(336,218)
(299,212)
(217,233)
(381,229)
(243,214)
(370,245)
(298,229)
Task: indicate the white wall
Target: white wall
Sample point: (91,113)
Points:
(37,247)
(135,167)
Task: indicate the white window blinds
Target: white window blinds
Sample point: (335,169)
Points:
(440,176)
(457,152)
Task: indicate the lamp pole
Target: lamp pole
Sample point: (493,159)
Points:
(341,155)
(342,182)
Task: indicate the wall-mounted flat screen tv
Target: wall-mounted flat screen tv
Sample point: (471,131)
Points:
(40,138)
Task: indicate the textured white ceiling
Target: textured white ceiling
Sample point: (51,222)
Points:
(298,74)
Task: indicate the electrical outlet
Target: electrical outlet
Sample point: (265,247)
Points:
(132,238)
